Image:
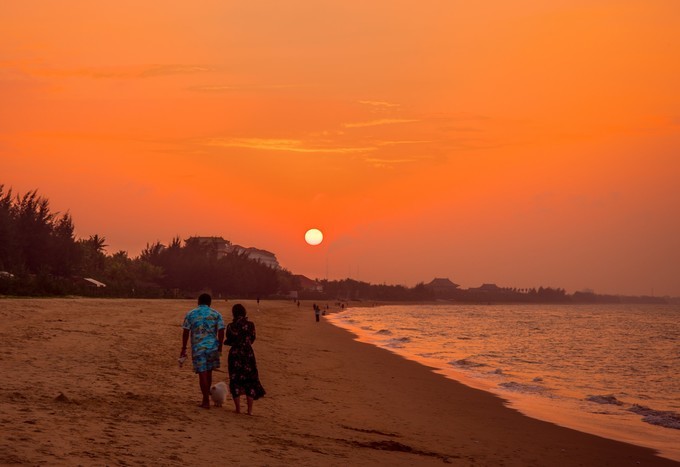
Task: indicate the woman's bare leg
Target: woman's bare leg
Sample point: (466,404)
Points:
(250,405)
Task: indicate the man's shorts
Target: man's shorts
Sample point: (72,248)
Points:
(206,361)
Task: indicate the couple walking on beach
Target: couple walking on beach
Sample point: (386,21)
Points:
(205,326)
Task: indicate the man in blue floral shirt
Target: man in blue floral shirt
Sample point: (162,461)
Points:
(206,328)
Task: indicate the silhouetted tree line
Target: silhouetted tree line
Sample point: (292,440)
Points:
(514,295)
(350,289)
(193,267)
(39,255)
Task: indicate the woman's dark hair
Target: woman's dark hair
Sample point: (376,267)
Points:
(204,299)
(238,311)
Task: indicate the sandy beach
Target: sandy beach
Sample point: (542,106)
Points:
(96,382)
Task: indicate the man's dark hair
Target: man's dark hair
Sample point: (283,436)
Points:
(204,299)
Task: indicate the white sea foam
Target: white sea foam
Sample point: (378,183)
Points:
(610,399)
(522,387)
(466,363)
(396,343)
(665,418)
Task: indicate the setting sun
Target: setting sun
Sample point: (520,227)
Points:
(314,236)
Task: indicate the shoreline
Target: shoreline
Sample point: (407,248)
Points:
(560,410)
(95,381)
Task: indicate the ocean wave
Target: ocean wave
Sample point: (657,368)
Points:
(491,355)
(384,332)
(523,360)
(666,419)
(397,343)
(608,399)
(523,388)
(466,363)
(432,354)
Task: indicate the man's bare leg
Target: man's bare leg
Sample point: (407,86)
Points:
(205,381)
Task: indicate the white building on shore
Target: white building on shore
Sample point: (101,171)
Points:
(263,256)
(224,247)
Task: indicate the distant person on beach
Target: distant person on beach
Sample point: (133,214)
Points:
(317,312)
(206,328)
(244,379)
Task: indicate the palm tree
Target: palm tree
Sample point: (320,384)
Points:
(93,254)
(97,243)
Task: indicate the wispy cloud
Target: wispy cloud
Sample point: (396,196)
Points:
(377,160)
(389,163)
(120,72)
(163,70)
(460,129)
(286,145)
(381,121)
(379,104)
(395,143)
(242,87)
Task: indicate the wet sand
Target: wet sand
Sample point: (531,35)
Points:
(96,382)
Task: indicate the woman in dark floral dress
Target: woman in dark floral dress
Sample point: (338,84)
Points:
(243,376)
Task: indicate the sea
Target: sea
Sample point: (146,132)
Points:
(612,370)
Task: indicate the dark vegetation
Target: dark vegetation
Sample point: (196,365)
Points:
(40,256)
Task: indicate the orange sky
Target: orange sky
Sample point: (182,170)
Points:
(523,143)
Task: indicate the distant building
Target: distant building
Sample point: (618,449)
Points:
(263,256)
(488,288)
(220,246)
(94,282)
(308,284)
(223,247)
(442,286)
